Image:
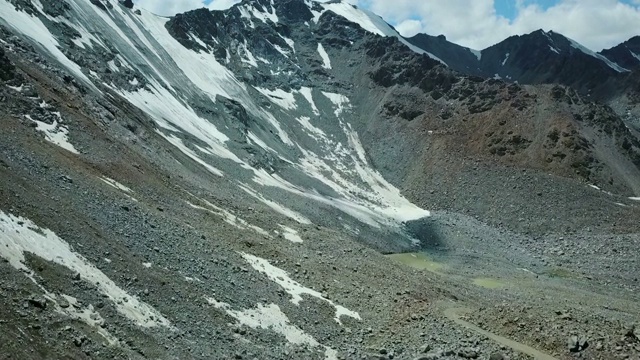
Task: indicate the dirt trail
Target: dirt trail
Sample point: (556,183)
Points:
(454,315)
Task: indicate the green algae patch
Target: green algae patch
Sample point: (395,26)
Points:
(488,283)
(417,261)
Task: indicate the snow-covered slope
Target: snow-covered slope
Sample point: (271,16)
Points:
(610,63)
(167,81)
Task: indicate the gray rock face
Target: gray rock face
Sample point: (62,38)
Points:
(55,8)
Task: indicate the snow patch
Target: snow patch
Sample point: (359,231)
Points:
(282,51)
(19,235)
(313,131)
(279,97)
(270,317)
(55,133)
(264,16)
(307,93)
(198,41)
(326,62)
(229,217)
(292,287)
(289,42)
(506,57)
(116,185)
(340,101)
(251,60)
(393,204)
(112,66)
(255,139)
(190,153)
(290,234)
(263,60)
(132,24)
(16,88)
(172,115)
(281,209)
(246,14)
(108,20)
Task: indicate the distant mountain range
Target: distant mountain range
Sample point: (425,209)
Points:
(541,58)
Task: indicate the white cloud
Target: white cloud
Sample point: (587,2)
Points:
(409,27)
(222,4)
(597,24)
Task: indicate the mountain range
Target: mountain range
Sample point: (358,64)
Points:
(295,179)
(544,58)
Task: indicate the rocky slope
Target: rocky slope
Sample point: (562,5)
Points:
(228,184)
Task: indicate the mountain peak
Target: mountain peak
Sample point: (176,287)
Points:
(626,54)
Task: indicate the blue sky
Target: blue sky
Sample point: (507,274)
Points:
(508,8)
(478,24)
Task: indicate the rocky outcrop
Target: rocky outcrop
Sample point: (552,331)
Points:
(7,70)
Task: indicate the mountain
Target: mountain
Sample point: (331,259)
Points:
(625,54)
(294,179)
(548,57)
(457,57)
(541,58)
(551,58)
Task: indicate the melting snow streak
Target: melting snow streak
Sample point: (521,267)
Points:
(325,57)
(19,235)
(292,287)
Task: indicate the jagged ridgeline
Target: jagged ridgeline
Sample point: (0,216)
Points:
(243,183)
